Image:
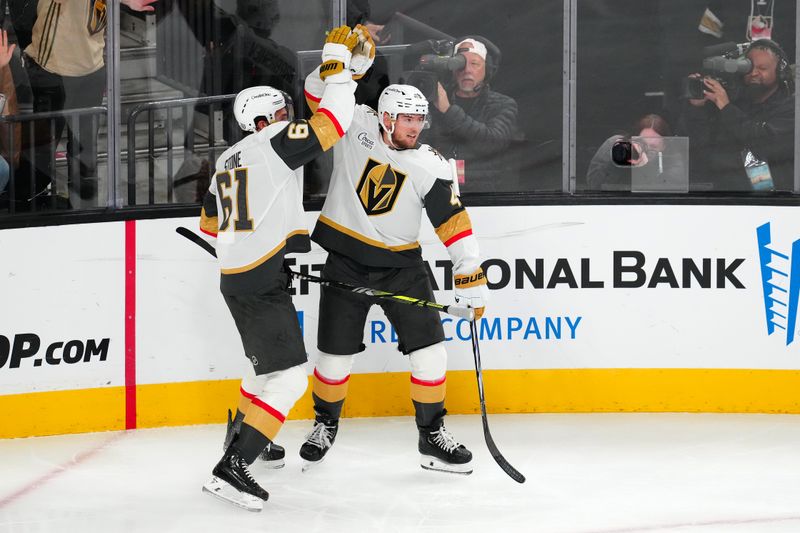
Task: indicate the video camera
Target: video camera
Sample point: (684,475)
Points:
(725,63)
(433,66)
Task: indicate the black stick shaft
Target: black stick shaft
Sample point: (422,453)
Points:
(493,450)
(455,310)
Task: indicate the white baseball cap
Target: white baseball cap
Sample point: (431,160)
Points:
(477,47)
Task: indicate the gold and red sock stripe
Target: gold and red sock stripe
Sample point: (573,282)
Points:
(423,391)
(330,390)
(244,400)
(265,419)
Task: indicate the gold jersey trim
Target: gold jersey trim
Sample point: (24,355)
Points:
(366,240)
(265,258)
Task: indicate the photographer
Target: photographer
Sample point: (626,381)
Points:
(474,124)
(652,162)
(742,136)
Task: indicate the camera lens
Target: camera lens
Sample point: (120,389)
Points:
(624,153)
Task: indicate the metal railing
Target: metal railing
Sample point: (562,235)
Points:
(187,105)
(72,117)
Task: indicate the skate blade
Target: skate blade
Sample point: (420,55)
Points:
(274,464)
(219,489)
(437,465)
(308,465)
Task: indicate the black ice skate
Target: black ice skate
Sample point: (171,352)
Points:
(272,456)
(318,442)
(233,483)
(440,451)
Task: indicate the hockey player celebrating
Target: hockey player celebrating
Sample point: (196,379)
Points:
(254,209)
(370,222)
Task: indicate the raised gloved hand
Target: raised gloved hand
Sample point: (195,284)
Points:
(336,54)
(363,53)
(471,290)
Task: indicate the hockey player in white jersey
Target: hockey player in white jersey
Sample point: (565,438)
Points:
(370,222)
(254,209)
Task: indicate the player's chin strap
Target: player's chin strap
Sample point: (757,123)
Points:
(389,135)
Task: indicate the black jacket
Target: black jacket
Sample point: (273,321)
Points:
(480,131)
(717,139)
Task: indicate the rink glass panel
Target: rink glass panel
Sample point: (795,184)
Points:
(633,59)
(579,71)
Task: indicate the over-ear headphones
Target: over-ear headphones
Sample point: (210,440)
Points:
(783,71)
(493,54)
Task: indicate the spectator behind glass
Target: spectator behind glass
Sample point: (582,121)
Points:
(474,124)
(6,51)
(66,68)
(657,159)
(754,127)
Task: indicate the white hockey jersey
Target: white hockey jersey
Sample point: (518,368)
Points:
(254,203)
(375,199)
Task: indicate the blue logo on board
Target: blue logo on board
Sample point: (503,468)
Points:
(780,281)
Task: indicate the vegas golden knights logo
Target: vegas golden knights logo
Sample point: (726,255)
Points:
(379,187)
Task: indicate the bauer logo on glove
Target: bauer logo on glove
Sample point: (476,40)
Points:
(472,280)
(472,290)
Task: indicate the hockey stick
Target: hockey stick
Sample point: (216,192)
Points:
(505,465)
(455,310)
(197,239)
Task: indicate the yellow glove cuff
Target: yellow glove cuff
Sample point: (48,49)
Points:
(329,68)
(465,281)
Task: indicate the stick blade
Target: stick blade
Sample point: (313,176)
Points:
(197,239)
(512,472)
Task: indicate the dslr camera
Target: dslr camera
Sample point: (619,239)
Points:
(626,152)
(725,63)
(433,67)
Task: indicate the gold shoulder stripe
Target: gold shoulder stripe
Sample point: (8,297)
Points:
(456,224)
(366,240)
(312,101)
(325,129)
